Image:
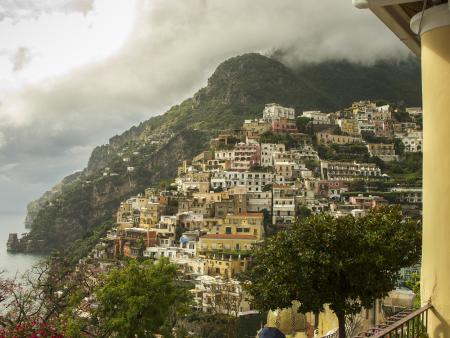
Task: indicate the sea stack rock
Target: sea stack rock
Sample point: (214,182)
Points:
(13,244)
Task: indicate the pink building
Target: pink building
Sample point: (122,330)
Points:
(329,188)
(284,126)
(246,156)
(364,202)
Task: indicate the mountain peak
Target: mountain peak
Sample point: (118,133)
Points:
(247,80)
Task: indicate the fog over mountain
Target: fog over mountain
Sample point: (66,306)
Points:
(48,127)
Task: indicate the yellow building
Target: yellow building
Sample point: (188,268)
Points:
(327,138)
(349,126)
(150,215)
(226,264)
(242,224)
(211,197)
(255,128)
(226,242)
(193,181)
(125,215)
(385,151)
(183,168)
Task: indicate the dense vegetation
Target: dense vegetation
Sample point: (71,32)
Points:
(345,263)
(138,299)
(338,83)
(238,89)
(408,170)
(344,152)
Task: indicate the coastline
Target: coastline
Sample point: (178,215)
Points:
(14,263)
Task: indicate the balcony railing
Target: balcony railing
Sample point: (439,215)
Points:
(406,324)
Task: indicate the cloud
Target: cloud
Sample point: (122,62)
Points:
(2,140)
(25,9)
(50,128)
(21,58)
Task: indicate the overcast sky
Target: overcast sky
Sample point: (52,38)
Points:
(75,72)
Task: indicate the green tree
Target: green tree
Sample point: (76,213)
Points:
(345,262)
(413,283)
(303,212)
(285,138)
(137,300)
(267,222)
(303,124)
(357,185)
(402,116)
(313,165)
(399,147)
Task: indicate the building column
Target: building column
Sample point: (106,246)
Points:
(435,279)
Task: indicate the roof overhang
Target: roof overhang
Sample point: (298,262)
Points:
(398,21)
(397,15)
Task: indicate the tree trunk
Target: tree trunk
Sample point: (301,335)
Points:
(341,320)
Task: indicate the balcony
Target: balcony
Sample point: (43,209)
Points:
(407,323)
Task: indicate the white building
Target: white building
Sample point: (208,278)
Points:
(258,201)
(298,155)
(253,181)
(246,155)
(189,241)
(219,295)
(306,153)
(317,117)
(289,170)
(409,195)
(365,126)
(224,155)
(347,171)
(283,204)
(158,252)
(315,205)
(267,152)
(193,181)
(413,142)
(382,113)
(414,112)
(187,264)
(273,112)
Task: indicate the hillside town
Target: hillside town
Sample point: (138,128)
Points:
(256,181)
(300,192)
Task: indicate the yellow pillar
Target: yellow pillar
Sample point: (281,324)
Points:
(435,281)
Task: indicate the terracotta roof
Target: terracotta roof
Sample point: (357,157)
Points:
(228,236)
(249,214)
